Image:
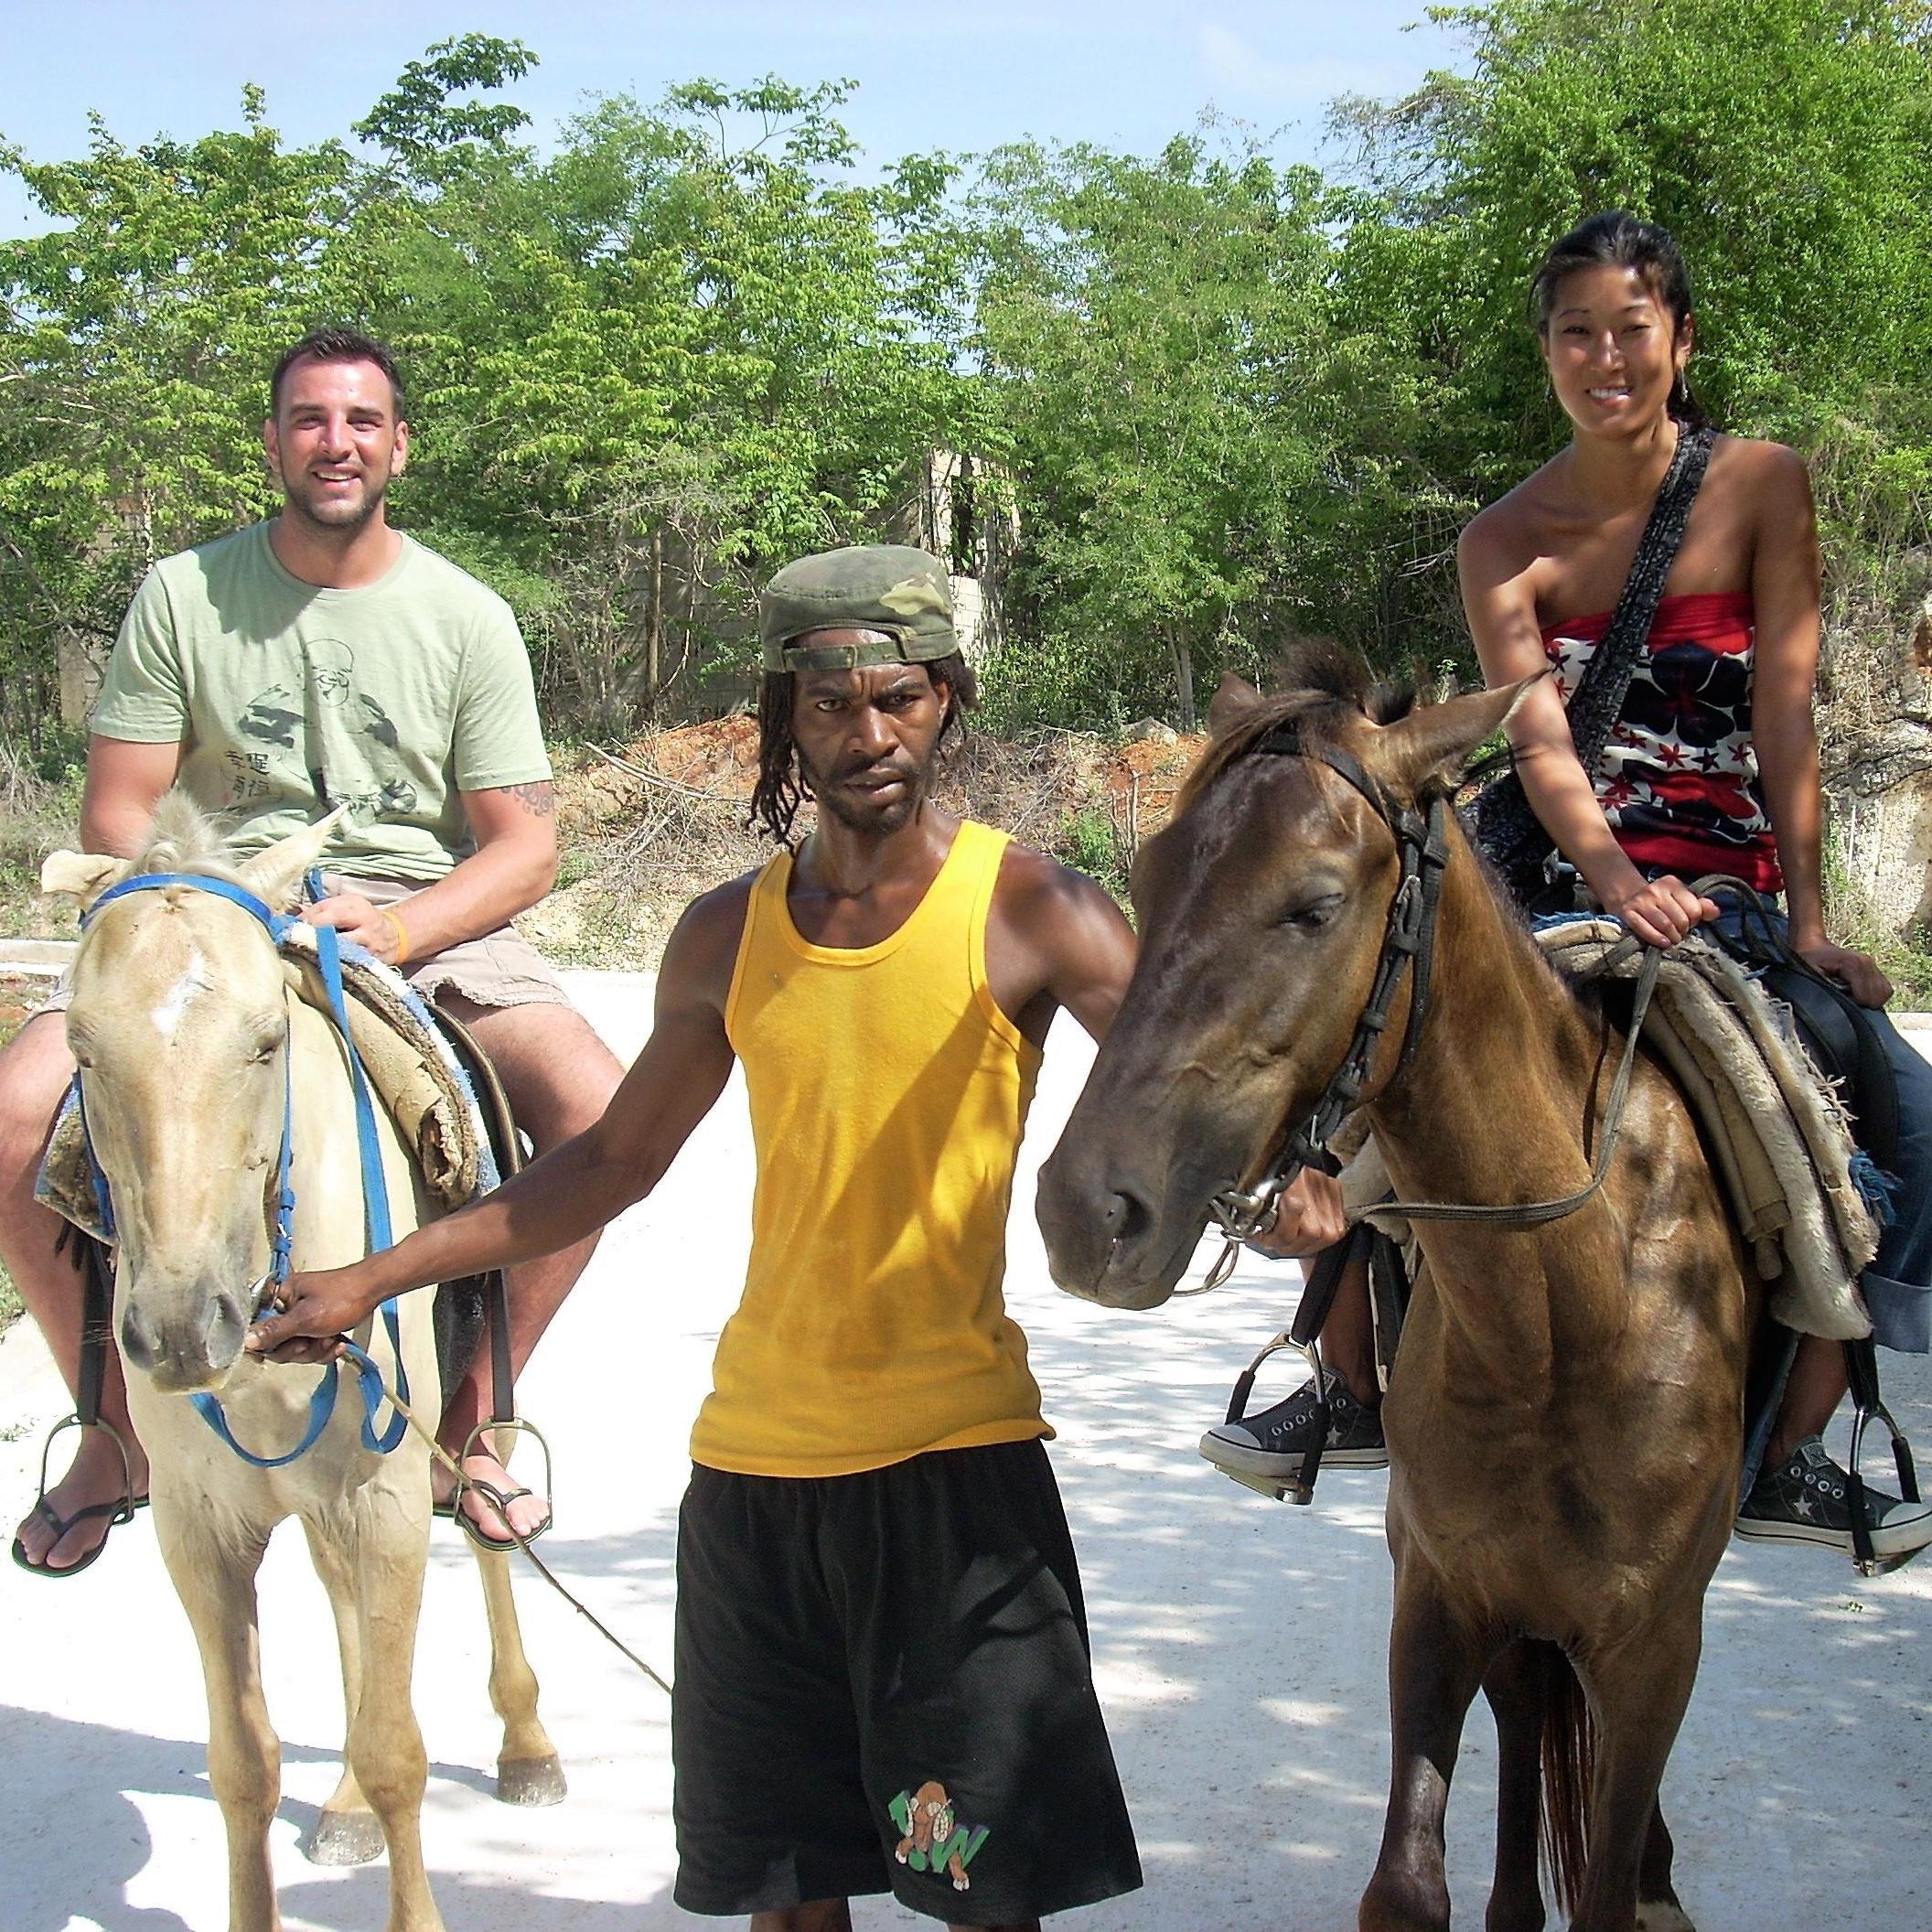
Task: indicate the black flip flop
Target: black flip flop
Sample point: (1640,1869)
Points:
(500,1500)
(121,1510)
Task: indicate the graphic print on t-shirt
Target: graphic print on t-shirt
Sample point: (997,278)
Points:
(289,719)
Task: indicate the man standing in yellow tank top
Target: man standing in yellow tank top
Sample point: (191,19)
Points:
(882,1662)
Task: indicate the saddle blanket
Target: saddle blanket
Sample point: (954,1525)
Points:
(412,1069)
(1779,1137)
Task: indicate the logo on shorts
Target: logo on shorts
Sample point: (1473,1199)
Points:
(934,1840)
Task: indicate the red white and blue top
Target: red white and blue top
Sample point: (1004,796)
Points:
(1678,781)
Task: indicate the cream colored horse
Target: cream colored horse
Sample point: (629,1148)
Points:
(182,1013)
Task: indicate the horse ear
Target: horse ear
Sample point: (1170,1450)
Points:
(275,877)
(84,875)
(1436,740)
(1234,696)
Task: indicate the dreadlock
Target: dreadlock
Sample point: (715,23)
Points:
(780,789)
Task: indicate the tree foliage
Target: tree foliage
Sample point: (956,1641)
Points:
(1151,331)
(1224,400)
(128,337)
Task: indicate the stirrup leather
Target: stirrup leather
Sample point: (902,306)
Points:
(1862,1370)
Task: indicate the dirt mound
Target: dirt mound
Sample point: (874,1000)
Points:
(647,827)
(717,759)
(720,755)
(1144,776)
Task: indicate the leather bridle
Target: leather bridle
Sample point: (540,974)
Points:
(1409,936)
(1422,851)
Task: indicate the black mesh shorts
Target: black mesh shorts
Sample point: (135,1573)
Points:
(883,1685)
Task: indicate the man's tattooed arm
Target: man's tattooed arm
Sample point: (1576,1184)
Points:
(539,800)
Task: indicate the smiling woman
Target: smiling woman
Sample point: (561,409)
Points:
(1614,312)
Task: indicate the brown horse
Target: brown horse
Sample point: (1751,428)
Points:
(1565,1417)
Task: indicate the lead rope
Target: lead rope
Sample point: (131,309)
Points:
(442,1456)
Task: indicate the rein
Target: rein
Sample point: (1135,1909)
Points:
(1423,851)
(1534,1214)
(377,1227)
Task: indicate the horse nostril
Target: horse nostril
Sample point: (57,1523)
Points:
(139,1342)
(224,1329)
(1126,1218)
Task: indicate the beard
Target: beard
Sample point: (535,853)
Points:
(340,515)
(867,812)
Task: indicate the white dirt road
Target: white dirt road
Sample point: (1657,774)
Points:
(1239,1646)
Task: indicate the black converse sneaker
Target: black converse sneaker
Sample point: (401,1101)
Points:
(1806,1500)
(1272,1444)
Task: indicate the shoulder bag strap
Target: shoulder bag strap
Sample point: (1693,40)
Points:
(1598,700)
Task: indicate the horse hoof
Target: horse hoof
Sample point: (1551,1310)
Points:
(1663,1915)
(345,1838)
(530,1780)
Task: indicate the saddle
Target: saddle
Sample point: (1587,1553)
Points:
(1777,1062)
(1777,1125)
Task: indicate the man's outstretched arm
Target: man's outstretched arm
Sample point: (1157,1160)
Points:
(576,1187)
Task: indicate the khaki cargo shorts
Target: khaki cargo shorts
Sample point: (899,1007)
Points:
(499,969)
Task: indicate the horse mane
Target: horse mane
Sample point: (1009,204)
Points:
(181,837)
(1324,689)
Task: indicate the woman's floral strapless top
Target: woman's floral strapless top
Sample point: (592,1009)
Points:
(1678,781)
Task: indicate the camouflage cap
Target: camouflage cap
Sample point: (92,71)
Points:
(901,596)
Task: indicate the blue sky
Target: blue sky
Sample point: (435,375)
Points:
(955,74)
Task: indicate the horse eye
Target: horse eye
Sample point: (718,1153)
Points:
(1316,915)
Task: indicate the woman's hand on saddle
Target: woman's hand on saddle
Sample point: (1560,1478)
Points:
(1308,1217)
(1659,911)
(358,920)
(314,1312)
(1858,973)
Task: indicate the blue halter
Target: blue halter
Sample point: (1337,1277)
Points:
(377,1228)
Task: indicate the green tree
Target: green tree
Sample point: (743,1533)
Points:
(135,339)
(1153,334)
(679,352)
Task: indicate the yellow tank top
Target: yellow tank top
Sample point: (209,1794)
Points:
(888,1092)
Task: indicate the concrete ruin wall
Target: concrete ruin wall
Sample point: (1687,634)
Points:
(1876,731)
(961,509)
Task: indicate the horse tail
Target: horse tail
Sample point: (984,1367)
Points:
(1569,1759)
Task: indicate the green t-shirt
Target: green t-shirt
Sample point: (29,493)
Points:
(393,697)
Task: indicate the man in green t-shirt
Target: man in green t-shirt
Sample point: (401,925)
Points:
(316,660)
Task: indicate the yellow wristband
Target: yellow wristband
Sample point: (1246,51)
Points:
(401,932)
